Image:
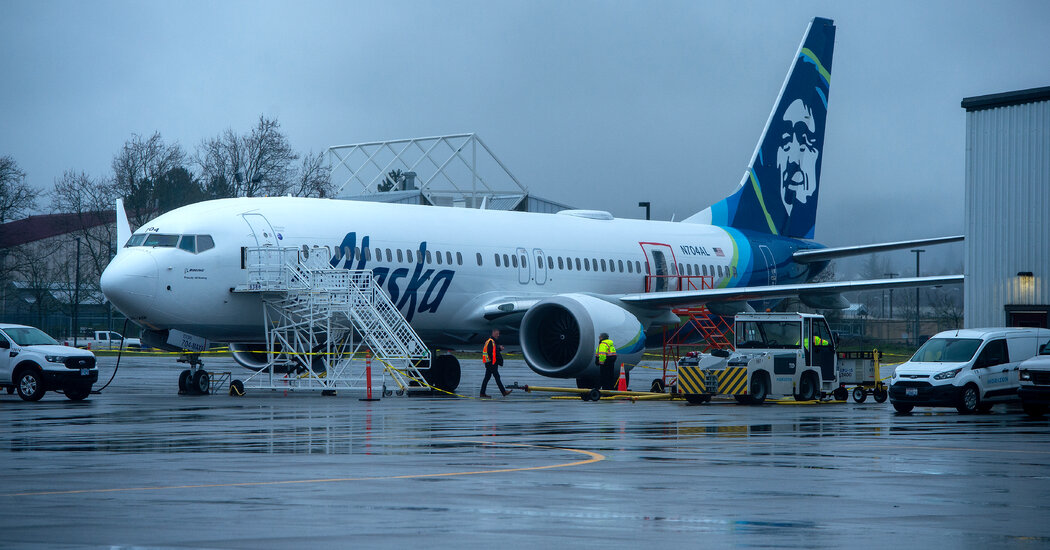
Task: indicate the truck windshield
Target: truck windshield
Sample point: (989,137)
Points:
(768,334)
(29,336)
(947,350)
(1045,350)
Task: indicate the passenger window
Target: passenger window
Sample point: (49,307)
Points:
(994,353)
(523,262)
(619,263)
(603,264)
(204,242)
(638,266)
(497,260)
(188,243)
(550,262)
(430,258)
(514,260)
(506,261)
(586,264)
(479,258)
(379,255)
(408,253)
(561,264)
(459,259)
(438,254)
(400,257)
(578,265)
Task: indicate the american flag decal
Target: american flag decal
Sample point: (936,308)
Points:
(718,252)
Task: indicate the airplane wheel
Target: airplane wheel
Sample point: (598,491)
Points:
(859,395)
(201,382)
(184,382)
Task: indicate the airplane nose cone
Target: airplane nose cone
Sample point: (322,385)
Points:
(130,282)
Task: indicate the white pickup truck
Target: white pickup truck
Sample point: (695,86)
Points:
(31,362)
(107,340)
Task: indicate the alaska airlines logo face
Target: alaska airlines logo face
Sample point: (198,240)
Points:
(418,291)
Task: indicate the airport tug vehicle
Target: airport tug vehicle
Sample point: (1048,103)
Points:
(777,354)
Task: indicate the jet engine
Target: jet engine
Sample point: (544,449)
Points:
(559,335)
(250,356)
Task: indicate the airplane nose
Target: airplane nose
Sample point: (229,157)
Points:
(130,282)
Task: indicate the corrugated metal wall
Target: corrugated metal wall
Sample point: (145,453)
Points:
(1007,210)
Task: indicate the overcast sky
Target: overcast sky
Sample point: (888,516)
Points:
(593,104)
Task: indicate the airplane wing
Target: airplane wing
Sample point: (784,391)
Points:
(823,254)
(694,297)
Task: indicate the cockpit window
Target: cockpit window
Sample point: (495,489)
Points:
(188,243)
(193,244)
(158,239)
(204,242)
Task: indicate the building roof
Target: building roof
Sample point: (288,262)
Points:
(35,228)
(1019,97)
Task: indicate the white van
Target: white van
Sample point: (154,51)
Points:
(969,369)
(1035,383)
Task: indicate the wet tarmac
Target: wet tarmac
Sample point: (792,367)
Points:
(139,466)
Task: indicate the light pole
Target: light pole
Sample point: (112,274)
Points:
(917,251)
(645,205)
(76,298)
(891,275)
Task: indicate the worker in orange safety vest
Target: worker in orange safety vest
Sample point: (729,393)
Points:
(493,359)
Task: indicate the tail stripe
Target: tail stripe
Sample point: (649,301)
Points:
(810,57)
(762,202)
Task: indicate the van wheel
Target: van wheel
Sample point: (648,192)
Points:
(1033,410)
(903,407)
(30,386)
(984,407)
(859,395)
(969,400)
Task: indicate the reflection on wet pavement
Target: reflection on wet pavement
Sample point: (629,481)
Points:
(298,470)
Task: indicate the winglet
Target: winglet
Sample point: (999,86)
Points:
(123,226)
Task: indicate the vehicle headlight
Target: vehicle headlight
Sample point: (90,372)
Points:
(947,374)
(1026,375)
(55,358)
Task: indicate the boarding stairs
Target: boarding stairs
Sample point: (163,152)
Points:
(327,327)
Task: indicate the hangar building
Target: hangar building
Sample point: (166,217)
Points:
(1007,207)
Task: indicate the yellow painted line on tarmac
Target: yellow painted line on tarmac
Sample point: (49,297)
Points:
(593,457)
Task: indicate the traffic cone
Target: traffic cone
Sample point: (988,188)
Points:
(621,384)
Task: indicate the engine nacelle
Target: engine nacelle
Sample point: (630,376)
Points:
(250,356)
(559,335)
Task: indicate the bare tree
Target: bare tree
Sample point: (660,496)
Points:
(252,165)
(313,178)
(17,198)
(137,168)
(92,201)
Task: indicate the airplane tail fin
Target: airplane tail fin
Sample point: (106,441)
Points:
(123,226)
(778,194)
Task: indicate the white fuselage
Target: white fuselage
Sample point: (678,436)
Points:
(464,268)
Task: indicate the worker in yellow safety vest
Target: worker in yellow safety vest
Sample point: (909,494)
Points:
(605,358)
(493,359)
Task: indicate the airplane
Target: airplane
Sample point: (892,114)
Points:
(551,282)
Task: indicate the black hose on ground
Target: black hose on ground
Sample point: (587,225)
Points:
(120,352)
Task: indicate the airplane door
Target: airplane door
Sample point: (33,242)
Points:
(661,267)
(261,229)
(771,264)
(541,267)
(523,266)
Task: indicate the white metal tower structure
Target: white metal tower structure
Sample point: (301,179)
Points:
(452,170)
(322,322)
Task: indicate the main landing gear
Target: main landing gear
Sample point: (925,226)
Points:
(194,380)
